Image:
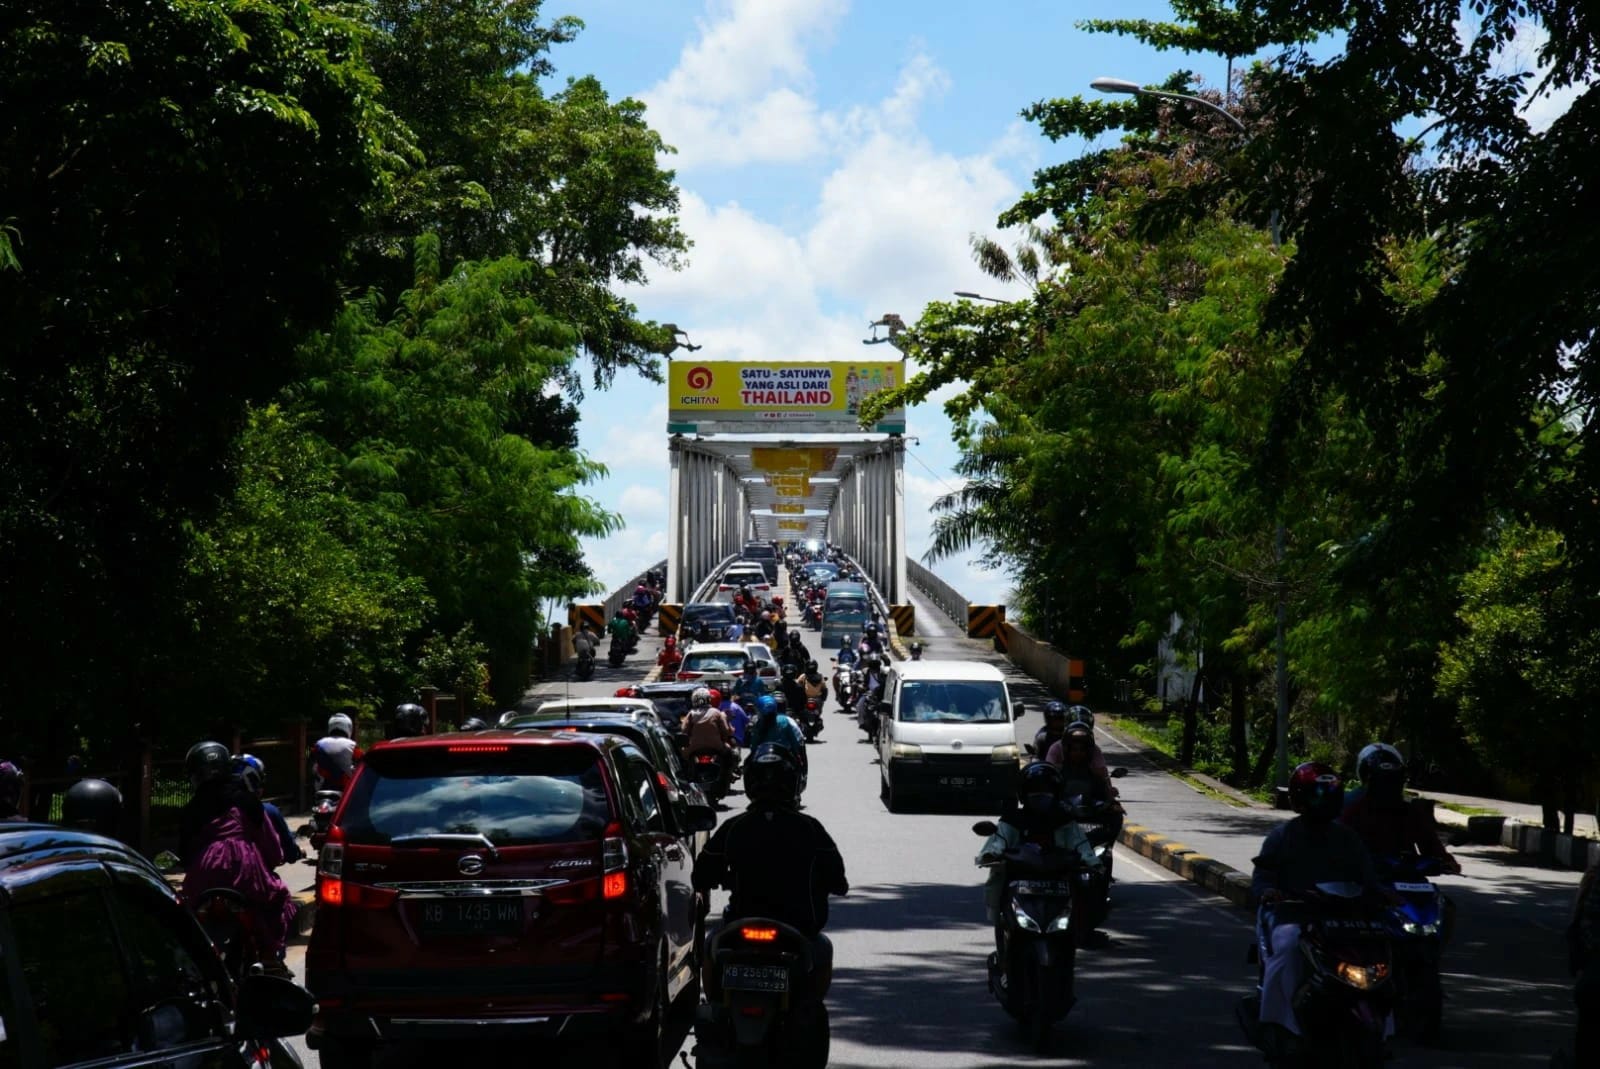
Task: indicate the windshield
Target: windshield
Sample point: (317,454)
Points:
(712,614)
(847,610)
(953,701)
(714,662)
(522,797)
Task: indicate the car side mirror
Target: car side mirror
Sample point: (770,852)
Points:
(1118,773)
(700,818)
(273,1007)
(985,828)
(1018,710)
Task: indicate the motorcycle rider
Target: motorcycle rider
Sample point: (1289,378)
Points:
(792,651)
(915,649)
(708,729)
(1390,824)
(1297,855)
(749,687)
(847,652)
(10,793)
(772,725)
(584,641)
(225,841)
(1055,725)
(872,637)
(252,772)
(737,628)
(669,659)
(621,628)
(335,755)
(738,718)
(793,691)
(410,721)
(92,805)
(1036,813)
(472,723)
(872,684)
(816,686)
(776,861)
(780,626)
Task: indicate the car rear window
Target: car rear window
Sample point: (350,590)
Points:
(514,795)
(764,552)
(714,662)
(711,613)
(671,707)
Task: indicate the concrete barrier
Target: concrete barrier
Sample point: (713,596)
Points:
(983,621)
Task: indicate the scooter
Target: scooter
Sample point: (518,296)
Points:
(1032,971)
(867,716)
(711,770)
(617,653)
(1343,1003)
(584,669)
(1416,929)
(764,1000)
(810,719)
(322,809)
(225,917)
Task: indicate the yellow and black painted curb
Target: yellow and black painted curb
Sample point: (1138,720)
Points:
(668,617)
(1192,865)
(983,621)
(905,619)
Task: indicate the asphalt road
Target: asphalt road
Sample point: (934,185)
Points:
(911,939)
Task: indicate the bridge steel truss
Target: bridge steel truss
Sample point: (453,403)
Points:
(867,517)
(708,515)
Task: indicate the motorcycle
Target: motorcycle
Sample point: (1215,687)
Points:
(1031,973)
(847,687)
(1415,928)
(711,769)
(225,917)
(810,719)
(617,653)
(763,1006)
(812,617)
(584,669)
(1343,1002)
(867,716)
(322,810)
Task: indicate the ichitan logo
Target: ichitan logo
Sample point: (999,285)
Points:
(470,865)
(699,378)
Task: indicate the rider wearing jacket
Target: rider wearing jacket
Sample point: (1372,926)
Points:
(1297,855)
(772,726)
(749,687)
(1037,816)
(669,659)
(777,862)
(1390,824)
(706,726)
(793,691)
(226,841)
(335,755)
(815,686)
(584,640)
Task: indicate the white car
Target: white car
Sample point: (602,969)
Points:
(713,663)
(766,663)
(579,706)
(745,574)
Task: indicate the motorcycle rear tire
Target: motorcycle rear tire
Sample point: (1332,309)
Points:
(1041,1023)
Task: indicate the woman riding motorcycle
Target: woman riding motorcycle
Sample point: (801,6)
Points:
(226,841)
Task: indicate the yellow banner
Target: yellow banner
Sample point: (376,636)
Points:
(793,525)
(790,485)
(804,461)
(784,508)
(825,392)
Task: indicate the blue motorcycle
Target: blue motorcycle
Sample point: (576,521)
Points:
(1416,928)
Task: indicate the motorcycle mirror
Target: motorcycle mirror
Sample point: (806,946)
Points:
(1118,773)
(985,828)
(1028,748)
(1018,710)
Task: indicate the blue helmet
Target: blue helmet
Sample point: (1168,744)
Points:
(767,704)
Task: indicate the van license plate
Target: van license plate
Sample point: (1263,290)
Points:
(755,978)
(466,917)
(958,781)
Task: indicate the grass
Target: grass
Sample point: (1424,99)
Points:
(1467,810)
(1165,740)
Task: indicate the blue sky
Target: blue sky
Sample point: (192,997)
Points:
(834,158)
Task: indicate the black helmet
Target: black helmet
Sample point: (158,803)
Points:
(206,762)
(1040,777)
(1081,714)
(811,666)
(92,805)
(1077,733)
(411,718)
(1054,710)
(790,669)
(474,724)
(771,775)
(1380,761)
(1316,792)
(10,785)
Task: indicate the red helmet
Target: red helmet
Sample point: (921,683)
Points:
(716,697)
(1316,791)
(672,640)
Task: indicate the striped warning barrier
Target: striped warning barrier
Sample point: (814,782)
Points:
(668,617)
(905,619)
(593,615)
(1075,688)
(1002,636)
(983,621)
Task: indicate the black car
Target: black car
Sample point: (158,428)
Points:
(106,966)
(670,699)
(764,554)
(646,732)
(717,616)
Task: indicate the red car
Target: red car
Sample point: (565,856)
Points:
(502,885)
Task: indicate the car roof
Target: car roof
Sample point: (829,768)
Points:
(558,705)
(760,650)
(972,671)
(494,735)
(708,605)
(28,845)
(846,586)
(667,689)
(717,647)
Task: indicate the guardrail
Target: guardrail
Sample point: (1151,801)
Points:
(944,596)
(705,590)
(875,597)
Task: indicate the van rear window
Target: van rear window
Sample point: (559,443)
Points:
(526,796)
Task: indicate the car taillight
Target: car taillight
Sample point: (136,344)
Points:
(332,888)
(614,862)
(626,692)
(754,934)
(616,885)
(666,785)
(688,675)
(477,747)
(705,759)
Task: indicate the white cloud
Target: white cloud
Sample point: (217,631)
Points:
(641,503)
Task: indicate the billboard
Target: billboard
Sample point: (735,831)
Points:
(789,510)
(824,396)
(799,461)
(793,525)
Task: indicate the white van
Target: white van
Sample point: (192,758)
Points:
(946,726)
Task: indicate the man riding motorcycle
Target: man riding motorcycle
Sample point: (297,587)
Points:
(584,641)
(816,686)
(793,691)
(669,659)
(706,727)
(749,687)
(1390,824)
(335,755)
(772,726)
(1036,815)
(621,628)
(1055,725)
(410,720)
(1297,855)
(776,861)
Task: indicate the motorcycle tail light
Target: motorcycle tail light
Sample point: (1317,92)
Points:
(753,934)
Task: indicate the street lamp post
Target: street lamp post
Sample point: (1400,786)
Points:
(969,295)
(1281,771)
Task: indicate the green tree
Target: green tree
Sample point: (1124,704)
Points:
(181,180)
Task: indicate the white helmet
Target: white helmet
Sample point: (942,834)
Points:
(339,724)
(1379,757)
(700,698)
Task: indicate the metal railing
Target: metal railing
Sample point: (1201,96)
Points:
(944,596)
(705,590)
(614,602)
